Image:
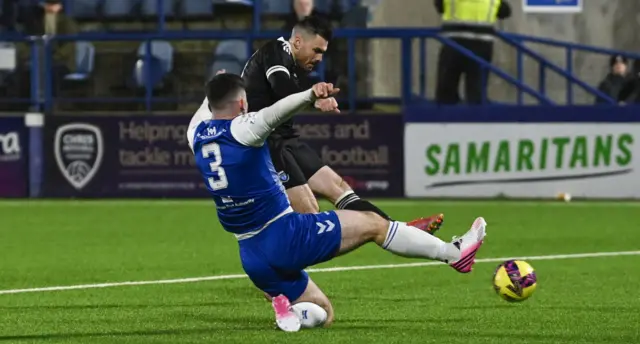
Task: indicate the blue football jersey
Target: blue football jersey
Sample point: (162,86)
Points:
(241,179)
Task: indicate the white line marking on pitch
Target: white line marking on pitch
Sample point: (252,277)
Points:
(381,202)
(335,269)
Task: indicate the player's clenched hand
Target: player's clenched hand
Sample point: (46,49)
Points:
(327,105)
(324,90)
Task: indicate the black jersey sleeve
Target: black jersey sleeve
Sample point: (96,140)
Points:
(278,64)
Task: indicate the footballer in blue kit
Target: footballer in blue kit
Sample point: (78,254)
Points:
(278,69)
(276,244)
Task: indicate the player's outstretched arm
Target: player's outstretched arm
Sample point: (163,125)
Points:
(284,109)
(254,128)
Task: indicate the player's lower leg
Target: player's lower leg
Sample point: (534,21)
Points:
(407,241)
(313,307)
(327,182)
(351,201)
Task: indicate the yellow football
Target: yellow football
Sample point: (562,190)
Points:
(515,280)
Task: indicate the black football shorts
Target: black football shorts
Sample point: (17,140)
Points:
(294,161)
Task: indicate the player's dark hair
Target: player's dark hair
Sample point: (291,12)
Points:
(316,25)
(221,88)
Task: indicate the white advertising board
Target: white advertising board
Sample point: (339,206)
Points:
(522,160)
(552,6)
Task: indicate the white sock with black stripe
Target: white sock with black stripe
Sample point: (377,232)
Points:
(411,242)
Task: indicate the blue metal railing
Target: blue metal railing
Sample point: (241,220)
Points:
(406,36)
(519,40)
(41,97)
(45,101)
(545,63)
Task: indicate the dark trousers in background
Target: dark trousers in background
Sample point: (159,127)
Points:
(452,64)
(8,18)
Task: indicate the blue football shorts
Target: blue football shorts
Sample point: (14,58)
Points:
(275,258)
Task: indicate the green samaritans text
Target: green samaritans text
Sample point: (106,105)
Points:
(560,153)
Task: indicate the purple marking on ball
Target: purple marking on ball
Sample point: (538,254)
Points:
(514,275)
(512,269)
(528,280)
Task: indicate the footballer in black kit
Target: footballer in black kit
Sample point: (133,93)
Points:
(277,70)
(270,75)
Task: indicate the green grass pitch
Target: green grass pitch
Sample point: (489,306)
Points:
(62,243)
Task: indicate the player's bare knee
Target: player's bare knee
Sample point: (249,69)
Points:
(314,308)
(378,227)
(360,227)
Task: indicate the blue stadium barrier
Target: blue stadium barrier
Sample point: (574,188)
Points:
(519,41)
(351,35)
(545,63)
(406,36)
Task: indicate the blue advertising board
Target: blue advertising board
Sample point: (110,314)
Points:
(13,157)
(148,156)
(365,150)
(552,6)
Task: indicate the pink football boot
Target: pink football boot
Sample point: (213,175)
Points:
(469,244)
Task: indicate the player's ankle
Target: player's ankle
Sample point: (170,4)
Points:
(345,199)
(449,253)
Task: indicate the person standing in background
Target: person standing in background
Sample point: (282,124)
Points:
(630,91)
(470,23)
(50,20)
(301,9)
(47,19)
(614,82)
(8,15)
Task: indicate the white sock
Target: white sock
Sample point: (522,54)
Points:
(411,242)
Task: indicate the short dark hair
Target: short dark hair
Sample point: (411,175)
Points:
(617,58)
(221,87)
(316,25)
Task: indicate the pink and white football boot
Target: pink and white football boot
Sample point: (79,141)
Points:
(286,319)
(469,244)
